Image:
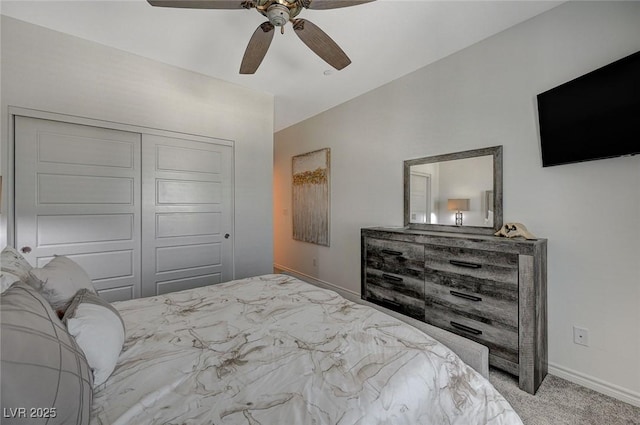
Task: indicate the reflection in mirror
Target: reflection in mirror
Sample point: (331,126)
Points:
(433,185)
(456,190)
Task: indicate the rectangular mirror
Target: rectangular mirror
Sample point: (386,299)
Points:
(457,192)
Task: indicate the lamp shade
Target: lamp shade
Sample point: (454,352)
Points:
(458,205)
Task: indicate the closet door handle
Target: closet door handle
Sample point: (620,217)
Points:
(391,278)
(466,328)
(391,252)
(465,296)
(465,264)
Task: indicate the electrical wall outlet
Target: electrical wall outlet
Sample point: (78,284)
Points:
(315,262)
(581,336)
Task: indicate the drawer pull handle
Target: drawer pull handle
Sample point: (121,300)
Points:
(391,278)
(466,328)
(465,296)
(465,264)
(390,303)
(391,252)
(383,302)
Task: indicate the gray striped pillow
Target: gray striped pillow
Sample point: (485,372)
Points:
(42,367)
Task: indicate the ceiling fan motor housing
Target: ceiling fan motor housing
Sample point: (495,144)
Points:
(278,14)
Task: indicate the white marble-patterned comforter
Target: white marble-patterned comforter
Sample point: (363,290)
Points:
(273,350)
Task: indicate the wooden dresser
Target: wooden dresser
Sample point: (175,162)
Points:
(489,289)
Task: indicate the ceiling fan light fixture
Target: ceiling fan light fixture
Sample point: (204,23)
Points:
(278,15)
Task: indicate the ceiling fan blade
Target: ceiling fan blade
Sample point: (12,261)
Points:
(322,45)
(332,4)
(257,48)
(203,4)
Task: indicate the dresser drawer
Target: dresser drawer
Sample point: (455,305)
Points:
(393,299)
(490,265)
(394,276)
(407,285)
(501,339)
(490,300)
(400,258)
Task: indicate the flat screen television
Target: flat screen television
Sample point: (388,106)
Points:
(592,117)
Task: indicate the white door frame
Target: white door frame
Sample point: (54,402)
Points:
(8,173)
(427,193)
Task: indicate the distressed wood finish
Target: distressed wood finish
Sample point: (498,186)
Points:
(396,301)
(489,302)
(396,257)
(501,339)
(394,272)
(491,290)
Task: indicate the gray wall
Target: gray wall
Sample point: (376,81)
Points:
(485,96)
(54,72)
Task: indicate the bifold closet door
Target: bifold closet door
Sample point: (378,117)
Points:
(77,192)
(187,227)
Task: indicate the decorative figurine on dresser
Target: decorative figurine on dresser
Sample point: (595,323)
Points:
(463,277)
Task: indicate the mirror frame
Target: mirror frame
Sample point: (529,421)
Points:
(496,153)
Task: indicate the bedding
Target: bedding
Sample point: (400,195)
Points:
(275,350)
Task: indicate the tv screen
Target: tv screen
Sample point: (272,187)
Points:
(594,116)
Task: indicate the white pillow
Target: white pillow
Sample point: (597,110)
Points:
(99,331)
(59,280)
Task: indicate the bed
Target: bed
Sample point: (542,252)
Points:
(273,350)
(270,349)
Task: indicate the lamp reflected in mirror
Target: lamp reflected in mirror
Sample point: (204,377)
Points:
(458,205)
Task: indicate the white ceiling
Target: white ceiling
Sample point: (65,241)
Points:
(385,40)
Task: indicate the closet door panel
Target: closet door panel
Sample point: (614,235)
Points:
(77,194)
(55,189)
(65,148)
(173,225)
(75,229)
(175,158)
(175,193)
(112,265)
(188,283)
(187,209)
(187,257)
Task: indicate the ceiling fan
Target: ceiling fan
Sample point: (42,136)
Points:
(279,12)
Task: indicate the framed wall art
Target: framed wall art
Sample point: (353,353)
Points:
(310,204)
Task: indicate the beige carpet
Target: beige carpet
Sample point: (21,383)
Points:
(560,402)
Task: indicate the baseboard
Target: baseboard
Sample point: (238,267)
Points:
(595,384)
(306,277)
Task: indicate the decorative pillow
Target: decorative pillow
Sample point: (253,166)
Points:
(59,280)
(43,369)
(7,279)
(13,267)
(98,330)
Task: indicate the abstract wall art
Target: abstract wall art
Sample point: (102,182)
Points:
(311,172)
